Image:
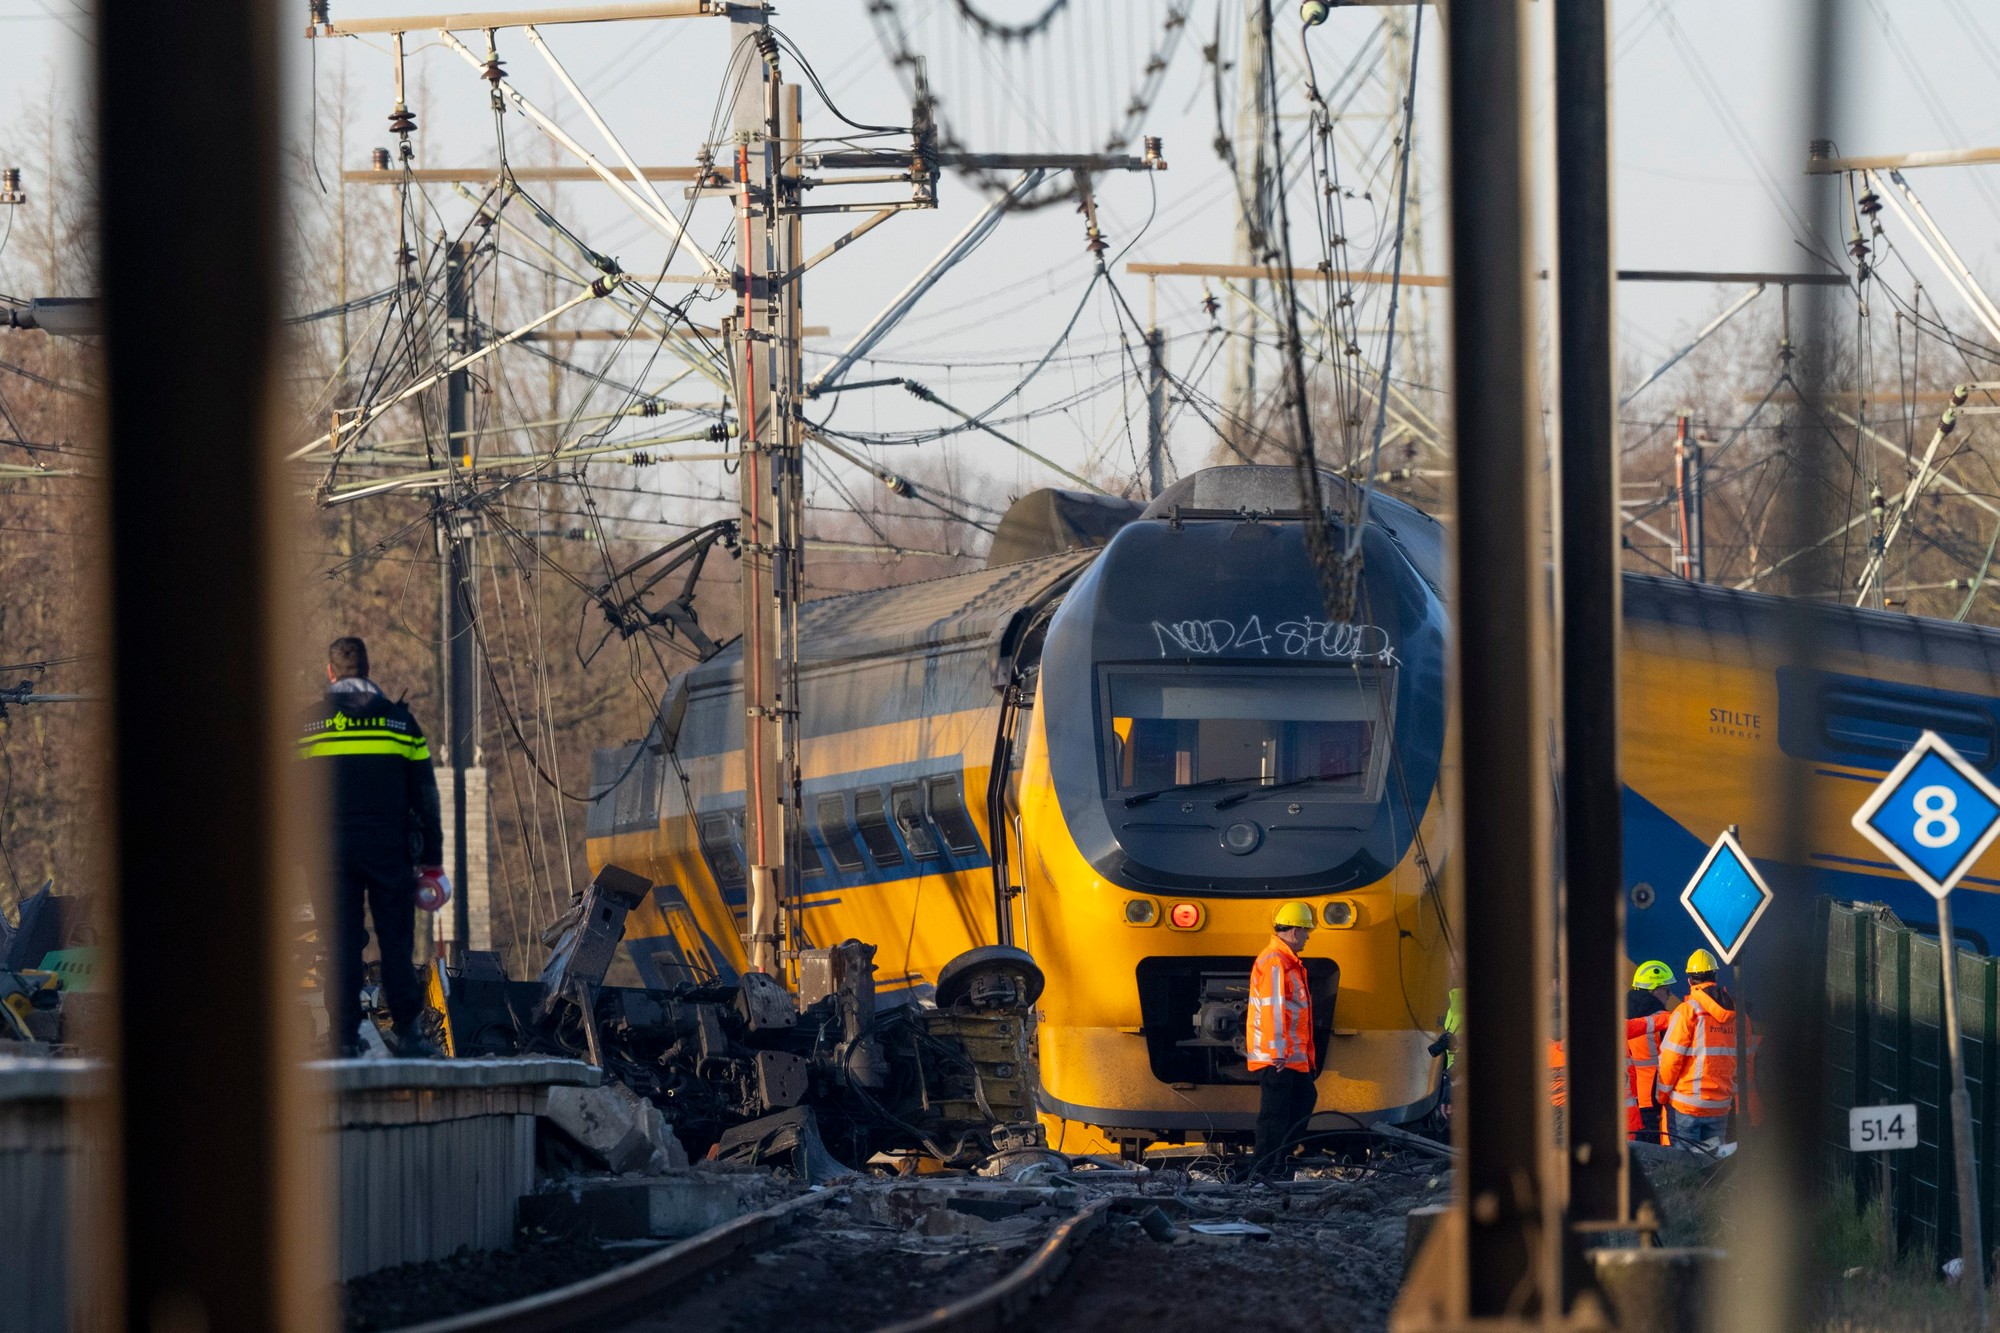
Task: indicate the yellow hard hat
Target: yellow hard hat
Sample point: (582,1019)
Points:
(1293,915)
(1652,975)
(1701,960)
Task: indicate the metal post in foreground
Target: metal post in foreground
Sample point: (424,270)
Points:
(207,1158)
(1588,518)
(1967,1178)
(1499,1254)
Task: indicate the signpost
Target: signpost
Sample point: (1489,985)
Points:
(1933,815)
(1881,1128)
(1726,897)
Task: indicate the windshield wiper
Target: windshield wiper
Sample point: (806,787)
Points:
(1142,797)
(1306,781)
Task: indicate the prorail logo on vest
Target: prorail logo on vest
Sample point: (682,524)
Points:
(1304,637)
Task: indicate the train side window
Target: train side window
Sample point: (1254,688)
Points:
(871,816)
(906,802)
(947,807)
(810,862)
(1870,723)
(838,834)
(717,830)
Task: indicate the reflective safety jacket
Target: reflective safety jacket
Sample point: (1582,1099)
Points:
(1698,1072)
(385,796)
(1280,1024)
(1643,1036)
(1558,1074)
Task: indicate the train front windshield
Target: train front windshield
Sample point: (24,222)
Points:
(1324,731)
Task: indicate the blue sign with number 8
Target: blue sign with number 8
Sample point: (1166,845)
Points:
(1934,814)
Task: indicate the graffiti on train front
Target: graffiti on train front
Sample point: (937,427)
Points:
(1302,637)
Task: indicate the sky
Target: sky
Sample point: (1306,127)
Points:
(1709,145)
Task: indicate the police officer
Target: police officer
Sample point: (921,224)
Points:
(1278,1042)
(388,844)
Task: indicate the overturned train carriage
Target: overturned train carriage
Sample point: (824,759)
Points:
(1121,760)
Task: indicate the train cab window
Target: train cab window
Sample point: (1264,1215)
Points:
(1323,733)
(906,803)
(871,816)
(947,807)
(838,834)
(720,843)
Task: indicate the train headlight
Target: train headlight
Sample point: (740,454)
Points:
(1185,916)
(1141,912)
(1337,914)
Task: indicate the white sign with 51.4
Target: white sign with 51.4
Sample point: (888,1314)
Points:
(1879,1128)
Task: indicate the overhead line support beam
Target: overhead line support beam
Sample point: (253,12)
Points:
(477,20)
(486,175)
(1943,157)
(1260,272)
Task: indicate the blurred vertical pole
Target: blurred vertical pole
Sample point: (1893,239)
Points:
(187,147)
(461,590)
(1593,847)
(1510,1189)
(1783,1158)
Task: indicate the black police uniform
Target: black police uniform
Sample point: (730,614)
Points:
(385,825)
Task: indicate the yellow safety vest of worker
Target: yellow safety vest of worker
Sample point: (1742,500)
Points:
(1279,1031)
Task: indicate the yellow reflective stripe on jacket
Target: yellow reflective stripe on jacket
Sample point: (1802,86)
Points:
(363,745)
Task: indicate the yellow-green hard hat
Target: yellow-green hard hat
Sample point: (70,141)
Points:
(1291,915)
(1701,960)
(1652,975)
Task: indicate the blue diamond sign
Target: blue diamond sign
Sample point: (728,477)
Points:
(1934,814)
(1726,896)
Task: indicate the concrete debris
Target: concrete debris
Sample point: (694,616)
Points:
(1157,1225)
(621,1129)
(1228,1233)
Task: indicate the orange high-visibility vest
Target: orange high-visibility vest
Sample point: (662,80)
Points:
(1558,1074)
(1280,1027)
(1698,1057)
(1642,1064)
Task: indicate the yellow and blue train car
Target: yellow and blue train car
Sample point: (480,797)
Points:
(1121,760)
(1716,723)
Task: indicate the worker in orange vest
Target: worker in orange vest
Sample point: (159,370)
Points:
(1698,1076)
(1278,1043)
(1649,1011)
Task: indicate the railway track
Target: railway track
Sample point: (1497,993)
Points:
(631,1298)
(1097,1249)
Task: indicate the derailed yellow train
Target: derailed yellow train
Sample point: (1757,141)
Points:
(1120,760)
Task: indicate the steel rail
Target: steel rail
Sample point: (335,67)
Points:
(597,1302)
(1005,1303)
(608,1295)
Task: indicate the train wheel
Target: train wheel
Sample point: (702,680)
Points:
(992,974)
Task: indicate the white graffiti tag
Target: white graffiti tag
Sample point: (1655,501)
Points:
(1304,637)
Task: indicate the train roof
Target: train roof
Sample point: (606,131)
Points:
(983,607)
(1714,609)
